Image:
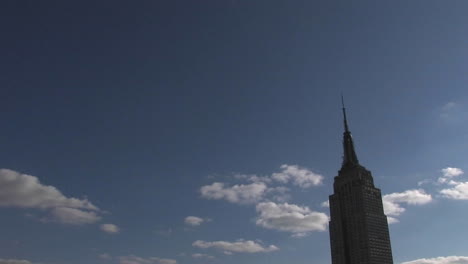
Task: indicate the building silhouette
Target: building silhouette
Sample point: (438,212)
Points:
(358,226)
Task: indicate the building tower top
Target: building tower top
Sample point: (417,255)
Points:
(358,225)
(349,154)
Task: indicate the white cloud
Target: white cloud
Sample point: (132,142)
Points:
(299,176)
(253,178)
(290,218)
(239,193)
(110,228)
(259,188)
(26,191)
(279,194)
(74,216)
(325,204)
(452,172)
(152,260)
(195,220)
(440,260)
(458,192)
(202,256)
(14,261)
(239,246)
(21,190)
(392,220)
(299,235)
(413,197)
(392,209)
(392,202)
(425,181)
(448,174)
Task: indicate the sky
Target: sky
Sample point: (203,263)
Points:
(209,131)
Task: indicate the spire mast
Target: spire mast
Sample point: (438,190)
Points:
(349,154)
(344,114)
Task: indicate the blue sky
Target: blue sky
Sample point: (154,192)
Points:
(163,132)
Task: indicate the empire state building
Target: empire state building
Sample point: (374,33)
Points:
(358,226)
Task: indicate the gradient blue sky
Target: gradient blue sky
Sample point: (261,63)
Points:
(153,111)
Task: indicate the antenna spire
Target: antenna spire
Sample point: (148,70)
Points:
(349,154)
(344,114)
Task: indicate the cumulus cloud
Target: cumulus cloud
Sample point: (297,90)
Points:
(440,260)
(425,181)
(261,188)
(14,261)
(202,256)
(290,218)
(26,191)
(325,204)
(74,216)
(298,176)
(452,172)
(193,220)
(448,174)
(413,197)
(110,228)
(392,202)
(21,190)
(239,246)
(392,220)
(253,178)
(152,260)
(239,193)
(458,192)
(279,194)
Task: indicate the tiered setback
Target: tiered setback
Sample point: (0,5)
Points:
(358,227)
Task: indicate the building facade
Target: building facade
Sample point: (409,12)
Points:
(358,226)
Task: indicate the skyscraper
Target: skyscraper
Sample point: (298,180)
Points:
(358,226)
